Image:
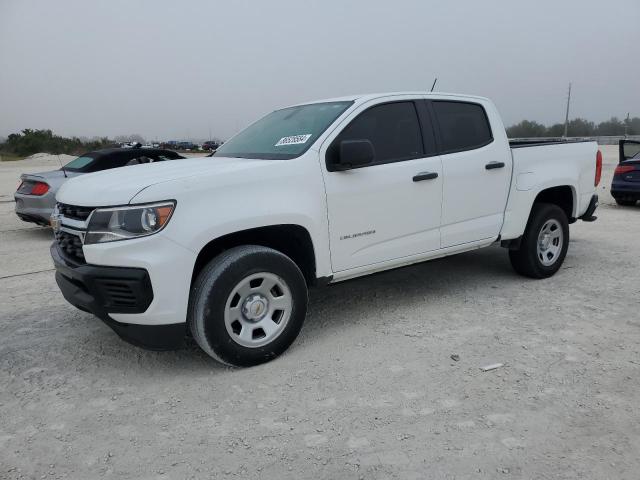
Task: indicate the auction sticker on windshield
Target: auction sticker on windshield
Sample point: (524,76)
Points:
(293,140)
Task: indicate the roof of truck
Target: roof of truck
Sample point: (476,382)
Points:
(372,96)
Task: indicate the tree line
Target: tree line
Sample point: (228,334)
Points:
(578,127)
(31,141)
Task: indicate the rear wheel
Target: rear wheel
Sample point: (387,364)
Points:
(625,203)
(544,243)
(247,305)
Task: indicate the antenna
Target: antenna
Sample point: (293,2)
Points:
(566,118)
(434,84)
(61,166)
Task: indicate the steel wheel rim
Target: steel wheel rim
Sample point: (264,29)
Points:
(550,241)
(258,309)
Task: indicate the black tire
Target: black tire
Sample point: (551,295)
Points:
(212,289)
(525,260)
(625,203)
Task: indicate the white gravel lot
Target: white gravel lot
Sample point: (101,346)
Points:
(367,391)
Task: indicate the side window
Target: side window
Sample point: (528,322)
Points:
(463,126)
(138,160)
(392,128)
(108,162)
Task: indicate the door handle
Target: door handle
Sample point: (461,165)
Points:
(425,176)
(494,165)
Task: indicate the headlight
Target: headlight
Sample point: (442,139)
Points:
(121,223)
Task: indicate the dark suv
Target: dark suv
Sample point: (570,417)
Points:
(210,145)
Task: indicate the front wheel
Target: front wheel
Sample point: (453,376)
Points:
(544,243)
(247,305)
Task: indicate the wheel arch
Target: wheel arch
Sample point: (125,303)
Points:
(563,196)
(292,240)
(522,202)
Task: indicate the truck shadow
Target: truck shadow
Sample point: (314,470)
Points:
(331,308)
(458,275)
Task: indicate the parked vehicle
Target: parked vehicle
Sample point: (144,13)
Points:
(35,196)
(210,145)
(186,146)
(310,195)
(625,187)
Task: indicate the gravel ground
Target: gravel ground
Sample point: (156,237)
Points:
(368,390)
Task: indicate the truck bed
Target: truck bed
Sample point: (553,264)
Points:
(523,143)
(552,163)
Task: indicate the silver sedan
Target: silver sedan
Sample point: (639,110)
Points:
(36,194)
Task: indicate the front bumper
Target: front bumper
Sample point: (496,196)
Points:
(105,290)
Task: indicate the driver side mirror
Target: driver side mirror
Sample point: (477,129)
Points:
(355,153)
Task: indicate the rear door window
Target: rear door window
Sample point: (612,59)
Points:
(462,125)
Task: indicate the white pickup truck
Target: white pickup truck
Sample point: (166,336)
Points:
(224,248)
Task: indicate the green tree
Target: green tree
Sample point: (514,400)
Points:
(578,127)
(526,128)
(555,130)
(31,141)
(613,126)
(634,126)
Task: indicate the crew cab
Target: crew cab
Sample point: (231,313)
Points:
(225,249)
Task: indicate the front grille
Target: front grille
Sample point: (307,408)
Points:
(74,212)
(71,245)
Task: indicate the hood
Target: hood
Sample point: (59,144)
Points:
(119,185)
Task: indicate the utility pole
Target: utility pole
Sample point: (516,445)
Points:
(566,118)
(626,125)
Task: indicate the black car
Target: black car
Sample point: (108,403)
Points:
(625,187)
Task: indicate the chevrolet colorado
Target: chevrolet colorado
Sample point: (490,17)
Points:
(317,193)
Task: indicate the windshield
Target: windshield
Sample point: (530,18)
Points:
(283,134)
(78,164)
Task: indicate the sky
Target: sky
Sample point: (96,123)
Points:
(193,68)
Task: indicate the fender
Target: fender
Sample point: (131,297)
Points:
(541,168)
(520,205)
(275,192)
